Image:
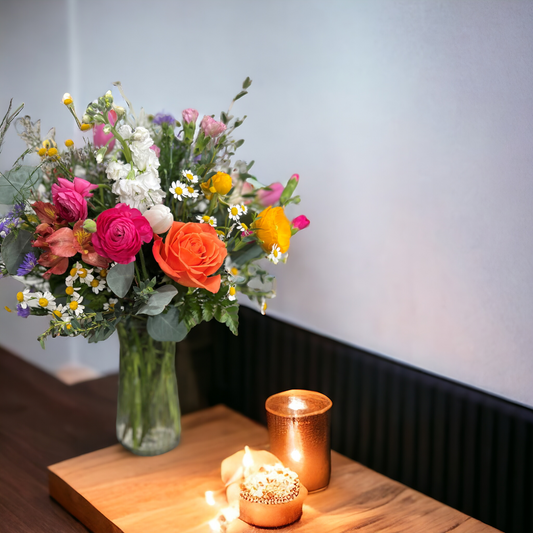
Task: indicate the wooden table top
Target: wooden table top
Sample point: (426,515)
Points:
(43,422)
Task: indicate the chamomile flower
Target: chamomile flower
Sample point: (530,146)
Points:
(69,290)
(234,211)
(43,300)
(97,285)
(263,307)
(178,189)
(23,297)
(110,306)
(244,209)
(232,293)
(191,192)
(62,313)
(275,254)
(205,219)
(189,176)
(75,304)
(241,226)
(78,271)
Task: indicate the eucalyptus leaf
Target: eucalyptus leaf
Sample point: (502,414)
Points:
(167,326)
(14,248)
(120,277)
(158,301)
(17,182)
(249,253)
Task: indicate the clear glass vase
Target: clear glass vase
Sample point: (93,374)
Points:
(148,410)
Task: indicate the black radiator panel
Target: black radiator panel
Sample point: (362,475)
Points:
(463,447)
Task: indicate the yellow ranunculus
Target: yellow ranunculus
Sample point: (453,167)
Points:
(220,183)
(273,227)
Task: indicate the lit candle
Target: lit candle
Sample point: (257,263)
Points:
(298,425)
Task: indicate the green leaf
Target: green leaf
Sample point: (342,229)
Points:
(240,95)
(167,326)
(239,143)
(208,311)
(251,252)
(103,333)
(230,317)
(120,277)
(15,246)
(17,182)
(287,192)
(158,301)
(246,83)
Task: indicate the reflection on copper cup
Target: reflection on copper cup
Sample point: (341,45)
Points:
(299,430)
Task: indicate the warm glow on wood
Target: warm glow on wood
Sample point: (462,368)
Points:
(209,498)
(296,455)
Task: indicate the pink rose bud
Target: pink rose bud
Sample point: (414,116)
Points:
(270,197)
(211,127)
(156,149)
(120,233)
(69,198)
(189,115)
(300,222)
(100,138)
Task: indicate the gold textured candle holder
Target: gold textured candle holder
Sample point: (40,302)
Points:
(299,430)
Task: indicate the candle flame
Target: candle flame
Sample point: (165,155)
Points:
(247,460)
(296,455)
(296,403)
(209,497)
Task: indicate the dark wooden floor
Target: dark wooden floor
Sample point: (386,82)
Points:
(42,422)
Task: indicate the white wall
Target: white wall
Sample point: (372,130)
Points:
(409,123)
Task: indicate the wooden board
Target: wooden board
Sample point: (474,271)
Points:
(112,490)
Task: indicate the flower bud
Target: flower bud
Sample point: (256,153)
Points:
(67,99)
(160,218)
(100,154)
(211,127)
(119,110)
(109,96)
(89,225)
(189,115)
(301,222)
(87,119)
(270,197)
(107,129)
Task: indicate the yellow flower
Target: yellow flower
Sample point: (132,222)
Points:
(69,143)
(85,127)
(7,309)
(52,152)
(67,99)
(272,227)
(69,291)
(42,152)
(219,183)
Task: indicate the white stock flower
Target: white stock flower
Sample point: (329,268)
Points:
(144,157)
(125,131)
(149,179)
(160,218)
(117,170)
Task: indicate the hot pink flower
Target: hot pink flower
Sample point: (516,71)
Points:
(300,222)
(120,233)
(69,198)
(211,127)
(100,138)
(156,149)
(189,115)
(270,197)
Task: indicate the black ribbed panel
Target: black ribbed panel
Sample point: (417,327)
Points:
(458,445)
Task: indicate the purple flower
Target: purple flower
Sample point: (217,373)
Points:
(27,265)
(160,118)
(24,312)
(11,221)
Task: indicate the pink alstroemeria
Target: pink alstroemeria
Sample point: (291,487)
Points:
(189,115)
(211,127)
(100,138)
(270,197)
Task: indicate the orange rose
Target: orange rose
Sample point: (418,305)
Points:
(273,227)
(190,253)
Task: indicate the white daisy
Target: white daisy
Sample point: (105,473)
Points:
(75,304)
(178,189)
(232,293)
(205,219)
(23,297)
(241,226)
(98,285)
(110,306)
(69,290)
(191,192)
(234,211)
(86,276)
(61,313)
(190,176)
(43,300)
(73,273)
(244,209)
(275,254)
(78,271)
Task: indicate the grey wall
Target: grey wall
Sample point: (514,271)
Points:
(409,122)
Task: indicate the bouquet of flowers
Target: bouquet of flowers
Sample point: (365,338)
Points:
(153,220)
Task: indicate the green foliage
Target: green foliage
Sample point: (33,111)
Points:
(158,300)
(15,246)
(167,326)
(17,183)
(248,253)
(120,277)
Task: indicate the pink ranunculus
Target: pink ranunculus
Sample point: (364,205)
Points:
(189,115)
(100,138)
(156,149)
(211,127)
(270,197)
(120,233)
(69,198)
(300,222)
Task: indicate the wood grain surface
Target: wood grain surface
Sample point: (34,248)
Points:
(111,490)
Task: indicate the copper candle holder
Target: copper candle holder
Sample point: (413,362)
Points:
(299,430)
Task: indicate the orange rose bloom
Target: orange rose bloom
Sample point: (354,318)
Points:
(273,227)
(190,253)
(220,183)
